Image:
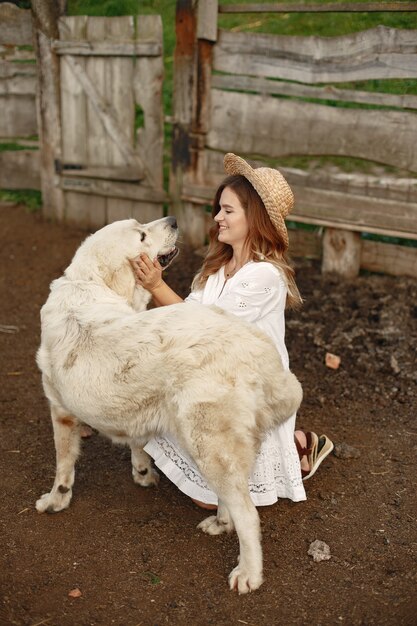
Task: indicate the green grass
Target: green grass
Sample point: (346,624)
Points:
(322,24)
(31,198)
(7,147)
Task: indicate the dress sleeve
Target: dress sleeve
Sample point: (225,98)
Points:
(195,296)
(255,293)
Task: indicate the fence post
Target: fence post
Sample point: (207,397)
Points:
(45,14)
(196,31)
(341,252)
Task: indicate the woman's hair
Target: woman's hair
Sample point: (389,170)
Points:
(262,242)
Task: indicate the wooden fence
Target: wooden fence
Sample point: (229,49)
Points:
(19,169)
(241,101)
(259,95)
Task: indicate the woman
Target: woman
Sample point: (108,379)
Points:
(245,272)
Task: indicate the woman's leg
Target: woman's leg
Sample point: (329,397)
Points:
(300,436)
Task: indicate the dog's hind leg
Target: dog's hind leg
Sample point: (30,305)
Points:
(217,524)
(67,446)
(247,575)
(228,477)
(239,511)
(142,470)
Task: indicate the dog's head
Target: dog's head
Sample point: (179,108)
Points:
(106,255)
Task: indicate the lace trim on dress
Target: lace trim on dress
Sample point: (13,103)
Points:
(272,474)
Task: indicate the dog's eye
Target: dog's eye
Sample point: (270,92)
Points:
(142,236)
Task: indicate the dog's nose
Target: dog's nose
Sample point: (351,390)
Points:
(172,222)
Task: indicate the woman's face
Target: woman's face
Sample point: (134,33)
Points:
(233,225)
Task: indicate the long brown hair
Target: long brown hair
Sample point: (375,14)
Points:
(263,242)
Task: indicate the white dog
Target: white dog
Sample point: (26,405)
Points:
(213,382)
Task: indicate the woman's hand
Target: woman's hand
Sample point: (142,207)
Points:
(148,274)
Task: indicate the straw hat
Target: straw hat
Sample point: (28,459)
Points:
(271,186)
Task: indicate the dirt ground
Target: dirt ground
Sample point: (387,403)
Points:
(136,554)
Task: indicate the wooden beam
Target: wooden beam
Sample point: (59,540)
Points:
(264,86)
(112,189)
(379,52)
(389,258)
(45,15)
(349,7)
(105,48)
(131,174)
(376,256)
(274,127)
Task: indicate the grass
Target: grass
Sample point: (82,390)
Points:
(31,198)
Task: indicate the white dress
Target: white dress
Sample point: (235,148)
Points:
(256,293)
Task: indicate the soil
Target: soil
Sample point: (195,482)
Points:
(135,554)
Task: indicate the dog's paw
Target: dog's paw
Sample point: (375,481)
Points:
(213,526)
(243,581)
(53,502)
(147,477)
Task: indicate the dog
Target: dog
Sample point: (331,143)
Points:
(197,373)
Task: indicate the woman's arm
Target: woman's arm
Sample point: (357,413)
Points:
(149,275)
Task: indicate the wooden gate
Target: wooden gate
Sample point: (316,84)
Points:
(109,150)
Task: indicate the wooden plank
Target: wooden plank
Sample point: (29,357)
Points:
(85,211)
(253,124)
(109,49)
(207,20)
(15,25)
(360,213)
(127,174)
(376,256)
(380,52)
(73,101)
(147,82)
(331,7)
(17,79)
(143,212)
(272,87)
(113,189)
(118,90)
(384,185)
(147,212)
(20,169)
(381,187)
(18,116)
(119,209)
(326,207)
(389,258)
(305,243)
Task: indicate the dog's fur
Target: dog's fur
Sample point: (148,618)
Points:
(201,375)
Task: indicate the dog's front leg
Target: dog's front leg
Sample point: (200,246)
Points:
(142,470)
(67,446)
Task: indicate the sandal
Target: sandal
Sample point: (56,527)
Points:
(316,451)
